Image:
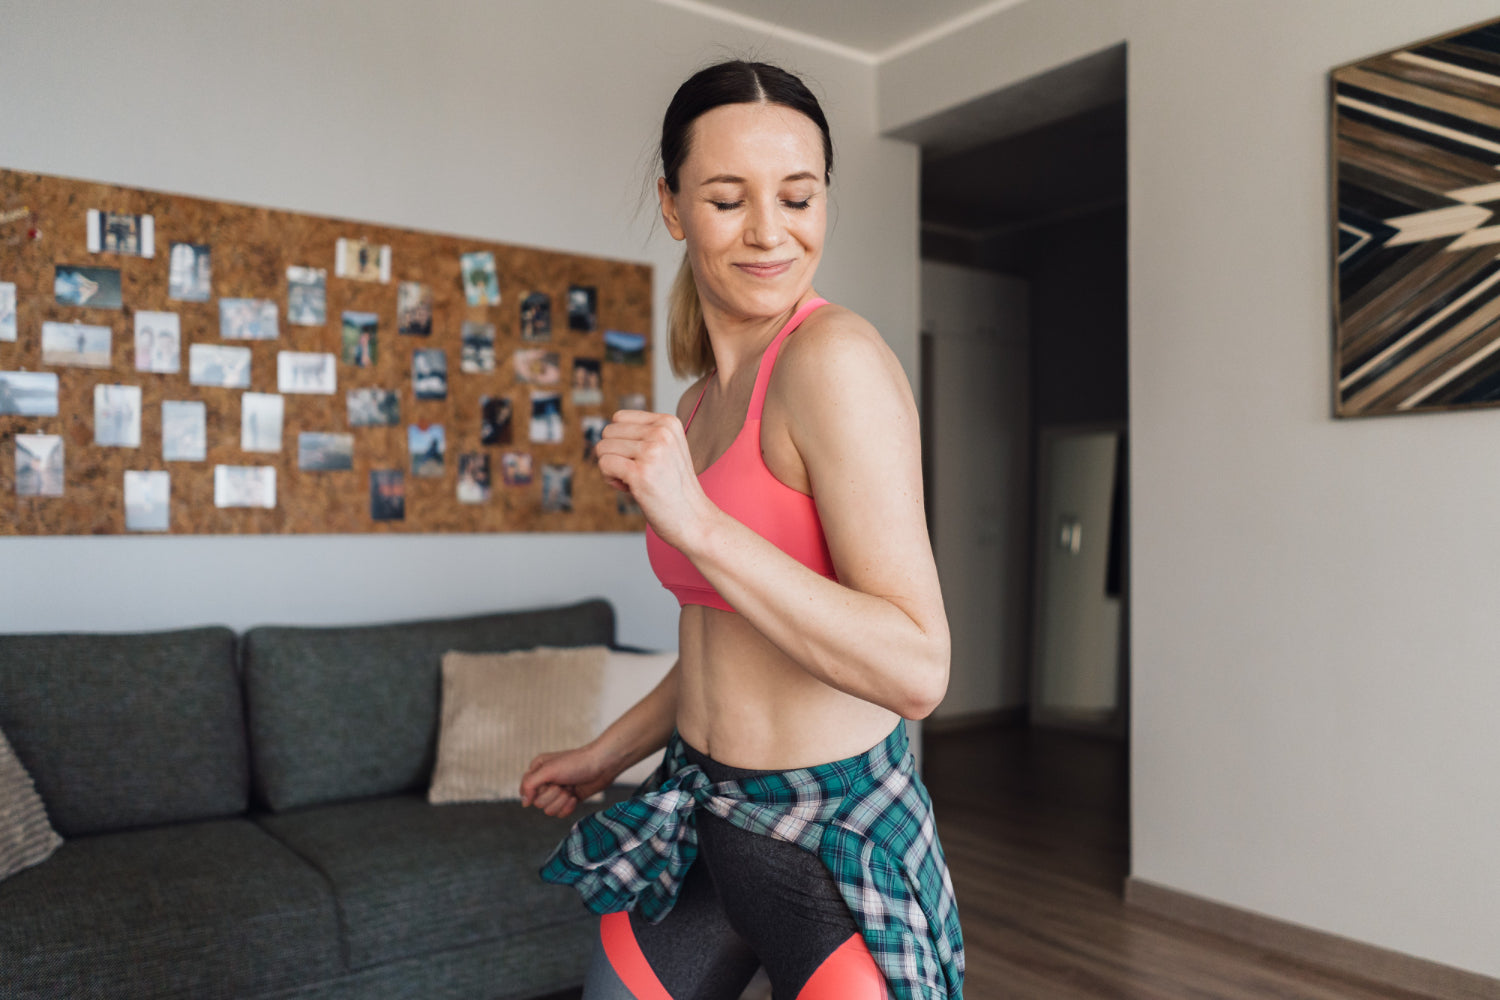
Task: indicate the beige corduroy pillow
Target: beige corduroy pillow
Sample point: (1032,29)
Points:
(26,838)
(502,709)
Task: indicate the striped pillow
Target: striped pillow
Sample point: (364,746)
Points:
(26,838)
(502,709)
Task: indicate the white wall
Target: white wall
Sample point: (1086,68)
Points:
(525,121)
(1315,633)
(981,470)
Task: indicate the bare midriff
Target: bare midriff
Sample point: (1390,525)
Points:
(745,703)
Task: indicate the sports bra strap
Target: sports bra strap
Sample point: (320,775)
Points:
(701,393)
(768,359)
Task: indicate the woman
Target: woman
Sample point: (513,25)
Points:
(784,504)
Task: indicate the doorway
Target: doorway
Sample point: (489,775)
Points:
(1024,353)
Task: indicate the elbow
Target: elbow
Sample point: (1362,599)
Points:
(929,682)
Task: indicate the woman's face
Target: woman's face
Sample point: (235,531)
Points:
(752,206)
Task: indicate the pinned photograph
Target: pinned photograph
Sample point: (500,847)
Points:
(148,498)
(515,468)
(624,348)
(557,487)
(427,446)
(388,495)
(536,317)
(632,401)
(583,308)
(28,394)
(117,415)
(429,374)
(122,233)
(414,309)
(245,486)
(308,374)
(359,338)
(7,310)
(317,452)
(95,287)
(362,261)
(481,284)
(473,477)
(494,419)
(374,408)
(184,430)
(306,296)
(189,272)
(588,382)
(593,433)
(247,319)
(546,418)
(537,366)
(227,367)
(39,465)
(260,421)
(478,348)
(76,345)
(158,342)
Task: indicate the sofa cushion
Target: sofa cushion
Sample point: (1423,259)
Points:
(344,713)
(211,909)
(127,730)
(502,709)
(411,878)
(26,838)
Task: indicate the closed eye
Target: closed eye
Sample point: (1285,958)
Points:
(798,205)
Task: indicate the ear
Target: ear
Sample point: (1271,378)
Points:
(669,209)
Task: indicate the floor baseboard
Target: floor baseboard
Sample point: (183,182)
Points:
(1380,965)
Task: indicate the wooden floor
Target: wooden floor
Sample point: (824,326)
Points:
(1035,826)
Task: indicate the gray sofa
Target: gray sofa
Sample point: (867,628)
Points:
(246,817)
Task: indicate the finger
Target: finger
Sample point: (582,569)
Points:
(548,795)
(618,470)
(531,786)
(562,807)
(639,417)
(626,432)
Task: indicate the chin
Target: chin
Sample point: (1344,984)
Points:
(759,297)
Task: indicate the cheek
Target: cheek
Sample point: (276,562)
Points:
(710,232)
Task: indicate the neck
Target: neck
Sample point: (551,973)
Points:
(739,341)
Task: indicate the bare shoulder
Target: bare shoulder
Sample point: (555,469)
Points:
(689,398)
(836,351)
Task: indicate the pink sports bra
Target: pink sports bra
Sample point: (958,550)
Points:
(741,485)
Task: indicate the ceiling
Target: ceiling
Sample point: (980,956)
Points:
(873,27)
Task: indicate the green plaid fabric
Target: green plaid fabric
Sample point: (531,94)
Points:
(868,818)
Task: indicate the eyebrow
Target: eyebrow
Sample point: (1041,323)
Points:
(806,175)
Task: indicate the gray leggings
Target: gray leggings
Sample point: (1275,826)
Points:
(747,901)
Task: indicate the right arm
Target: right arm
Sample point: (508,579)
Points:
(556,782)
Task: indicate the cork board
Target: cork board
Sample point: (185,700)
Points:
(97,346)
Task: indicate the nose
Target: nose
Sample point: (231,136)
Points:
(765,227)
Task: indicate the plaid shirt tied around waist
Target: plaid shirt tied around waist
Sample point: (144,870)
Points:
(868,818)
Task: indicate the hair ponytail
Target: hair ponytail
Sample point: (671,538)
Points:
(688,346)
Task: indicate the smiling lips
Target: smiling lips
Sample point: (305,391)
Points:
(769,269)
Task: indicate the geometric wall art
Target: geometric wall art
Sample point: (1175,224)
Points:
(1416,182)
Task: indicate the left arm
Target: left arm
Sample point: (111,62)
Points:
(878,633)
